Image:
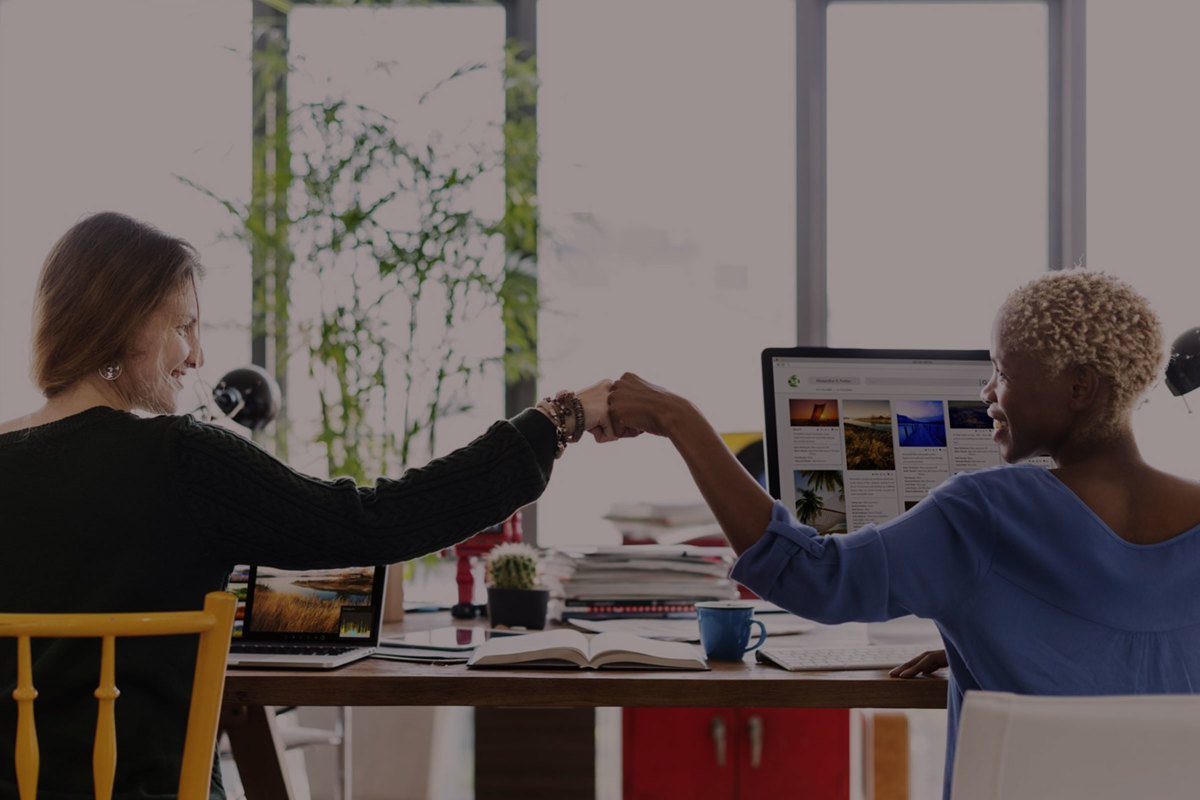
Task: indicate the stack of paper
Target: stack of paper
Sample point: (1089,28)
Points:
(665,523)
(640,580)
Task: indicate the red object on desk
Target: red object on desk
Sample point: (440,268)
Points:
(477,546)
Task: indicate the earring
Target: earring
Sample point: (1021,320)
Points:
(110,371)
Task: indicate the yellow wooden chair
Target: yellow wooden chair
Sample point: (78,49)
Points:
(214,624)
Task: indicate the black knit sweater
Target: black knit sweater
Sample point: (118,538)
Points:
(106,511)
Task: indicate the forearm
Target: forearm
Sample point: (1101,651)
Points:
(538,430)
(739,503)
(247,507)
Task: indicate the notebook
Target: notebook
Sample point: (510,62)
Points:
(306,619)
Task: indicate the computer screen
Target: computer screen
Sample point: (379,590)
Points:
(855,437)
(307,605)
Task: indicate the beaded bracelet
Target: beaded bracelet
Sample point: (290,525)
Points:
(576,405)
(558,408)
(551,410)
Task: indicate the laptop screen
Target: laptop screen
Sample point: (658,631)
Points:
(855,437)
(329,605)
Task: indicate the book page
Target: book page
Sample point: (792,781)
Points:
(566,645)
(570,647)
(614,647)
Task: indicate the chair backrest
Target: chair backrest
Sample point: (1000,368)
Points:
(213,624)
(1071,748)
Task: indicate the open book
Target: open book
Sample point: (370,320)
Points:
(569,648)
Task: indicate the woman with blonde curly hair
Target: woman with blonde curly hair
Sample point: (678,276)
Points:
(1075,580)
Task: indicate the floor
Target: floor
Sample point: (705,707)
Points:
(445,771)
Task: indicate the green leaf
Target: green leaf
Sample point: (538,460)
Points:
(380,220)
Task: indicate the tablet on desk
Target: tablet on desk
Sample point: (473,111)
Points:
(448,638)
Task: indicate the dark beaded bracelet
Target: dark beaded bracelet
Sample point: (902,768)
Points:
(567,401)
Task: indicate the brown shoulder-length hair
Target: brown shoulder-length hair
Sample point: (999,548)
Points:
(100,283)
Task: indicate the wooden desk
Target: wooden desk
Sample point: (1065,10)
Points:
(249,694)
(376,682)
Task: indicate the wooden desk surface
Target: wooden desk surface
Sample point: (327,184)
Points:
(377,682)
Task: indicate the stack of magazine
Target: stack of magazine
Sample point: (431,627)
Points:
(645,580)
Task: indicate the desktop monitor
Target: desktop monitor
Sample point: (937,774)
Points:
(855,437)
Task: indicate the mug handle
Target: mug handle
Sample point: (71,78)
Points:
(762,635)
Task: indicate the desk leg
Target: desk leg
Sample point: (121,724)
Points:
(885,755)
(257,751)
(535,753)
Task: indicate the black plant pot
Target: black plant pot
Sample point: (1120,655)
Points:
(517,608)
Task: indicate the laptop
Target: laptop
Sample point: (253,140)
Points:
(305,619)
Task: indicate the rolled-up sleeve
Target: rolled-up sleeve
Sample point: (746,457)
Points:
(833,578)
(921,562)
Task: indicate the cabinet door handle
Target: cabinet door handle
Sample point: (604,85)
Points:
(717,731)
(754,729)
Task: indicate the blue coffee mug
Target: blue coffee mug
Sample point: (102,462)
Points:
(725,629)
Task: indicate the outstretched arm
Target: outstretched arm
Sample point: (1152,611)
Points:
(739,503)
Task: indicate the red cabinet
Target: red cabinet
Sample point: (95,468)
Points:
(730,753)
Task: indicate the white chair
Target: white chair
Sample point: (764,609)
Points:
(1077,748)
(293,736)
(297,736)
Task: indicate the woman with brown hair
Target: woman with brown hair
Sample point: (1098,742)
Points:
(108,510)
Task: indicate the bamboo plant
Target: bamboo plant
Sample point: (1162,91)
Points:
(387,232)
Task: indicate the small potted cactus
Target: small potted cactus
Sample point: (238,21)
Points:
(515,598)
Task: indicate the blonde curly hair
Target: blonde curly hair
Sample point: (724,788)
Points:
(1092,319)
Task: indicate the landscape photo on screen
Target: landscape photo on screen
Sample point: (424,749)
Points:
(336,602)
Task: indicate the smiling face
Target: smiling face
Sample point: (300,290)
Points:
(167,346)
(1030,404)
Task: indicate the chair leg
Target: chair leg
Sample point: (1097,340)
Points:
(296,736)
(345,771)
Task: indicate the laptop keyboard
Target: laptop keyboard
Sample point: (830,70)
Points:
(291,649)
(804,659)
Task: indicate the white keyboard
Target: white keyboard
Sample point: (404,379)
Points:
(811,659)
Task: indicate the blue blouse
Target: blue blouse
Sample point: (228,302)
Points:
(1031,591)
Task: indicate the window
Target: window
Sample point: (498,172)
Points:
(399,62)
(101,106)
(1143,169)
(668,205)
(937,168)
